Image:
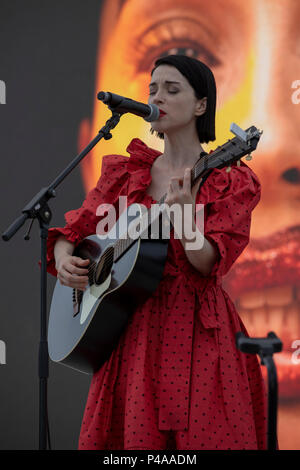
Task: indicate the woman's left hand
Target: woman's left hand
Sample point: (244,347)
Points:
(180,192)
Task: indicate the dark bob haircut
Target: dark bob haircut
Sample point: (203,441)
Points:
(203,82)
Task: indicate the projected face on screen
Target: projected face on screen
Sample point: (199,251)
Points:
(253,49)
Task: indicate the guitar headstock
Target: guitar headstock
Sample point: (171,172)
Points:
(233,150)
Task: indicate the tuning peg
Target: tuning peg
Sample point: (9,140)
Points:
(228,169)
(249,157)
(238,163)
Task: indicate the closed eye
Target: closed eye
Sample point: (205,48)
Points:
(172,92)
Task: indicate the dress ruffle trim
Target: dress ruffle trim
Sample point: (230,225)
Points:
(141,155)
(139,167)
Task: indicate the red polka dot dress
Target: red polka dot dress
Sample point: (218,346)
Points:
(176,379)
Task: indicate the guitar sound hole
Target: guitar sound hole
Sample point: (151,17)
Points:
(104,266)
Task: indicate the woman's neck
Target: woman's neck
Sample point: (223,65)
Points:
(180,152)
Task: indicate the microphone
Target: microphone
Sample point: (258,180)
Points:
(150,112)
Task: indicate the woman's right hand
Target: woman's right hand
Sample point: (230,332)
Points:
(72,271)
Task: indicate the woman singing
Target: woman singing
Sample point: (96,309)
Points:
(176,379)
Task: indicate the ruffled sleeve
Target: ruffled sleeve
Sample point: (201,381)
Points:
(82,222)
(229,200)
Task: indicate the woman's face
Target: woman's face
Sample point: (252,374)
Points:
(172,93)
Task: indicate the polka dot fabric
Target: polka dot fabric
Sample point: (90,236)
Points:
(176,379)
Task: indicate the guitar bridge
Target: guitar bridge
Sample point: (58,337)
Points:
(77,298)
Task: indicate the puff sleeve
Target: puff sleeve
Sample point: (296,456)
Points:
(82,222)
(231,198)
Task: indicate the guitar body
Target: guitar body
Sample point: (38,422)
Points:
(84,339)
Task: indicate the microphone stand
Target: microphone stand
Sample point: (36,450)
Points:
(265,348)
(38,209)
